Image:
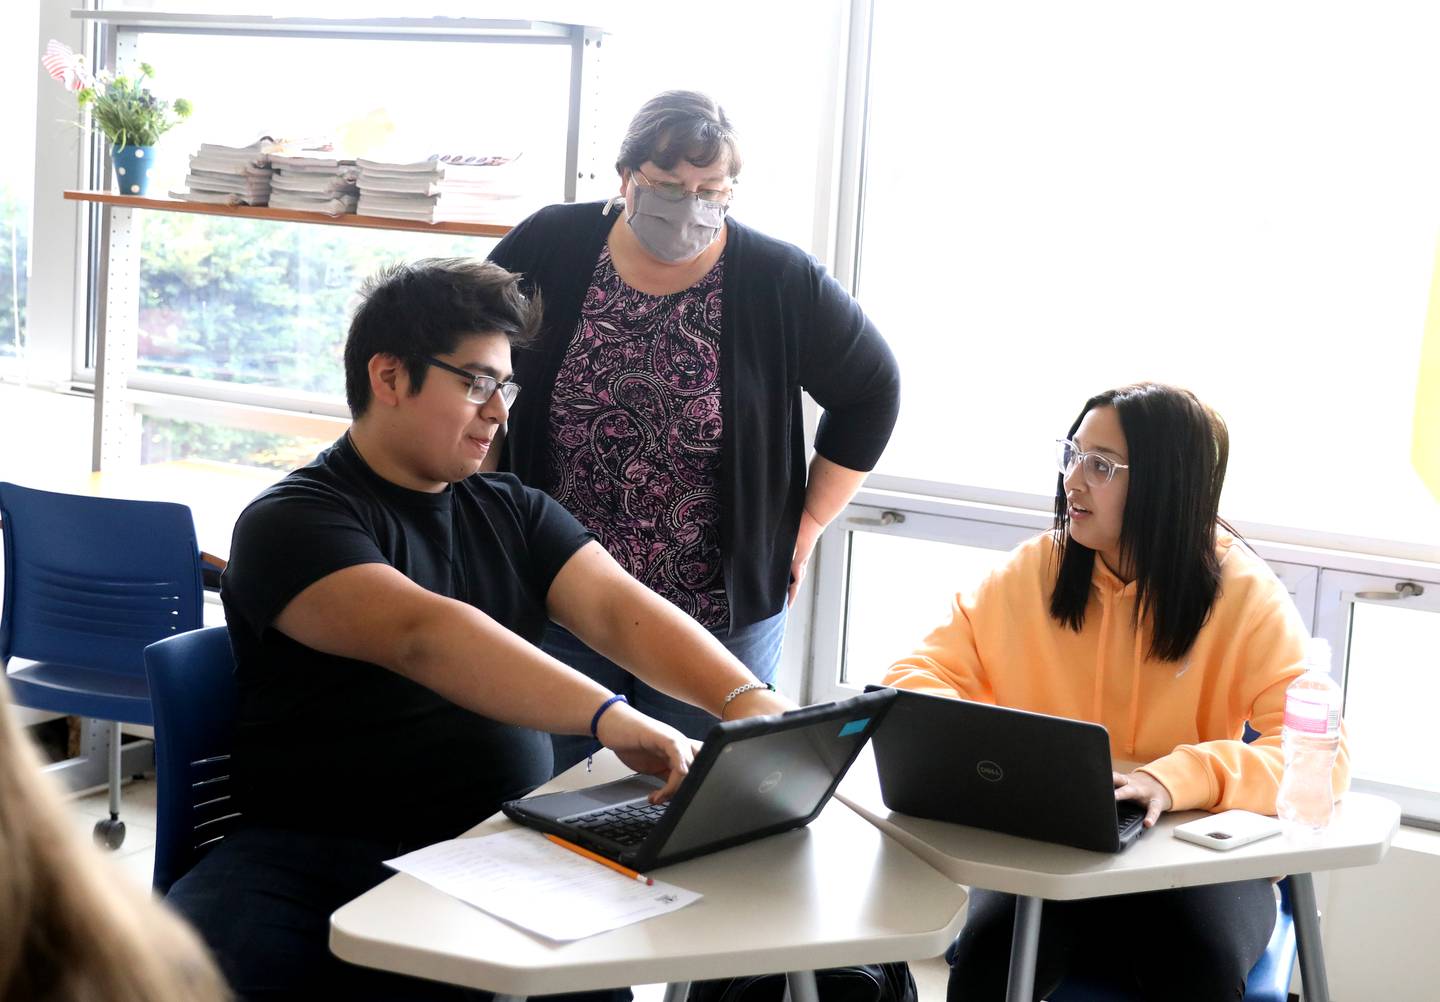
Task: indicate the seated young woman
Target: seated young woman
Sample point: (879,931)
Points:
(1140,610)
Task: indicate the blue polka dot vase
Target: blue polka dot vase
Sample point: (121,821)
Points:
(132,166)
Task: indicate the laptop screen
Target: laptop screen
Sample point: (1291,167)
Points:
(767,781)
(1012,771)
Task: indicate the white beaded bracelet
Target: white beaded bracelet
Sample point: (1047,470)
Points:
(744,688)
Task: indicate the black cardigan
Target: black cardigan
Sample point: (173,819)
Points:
(785,325)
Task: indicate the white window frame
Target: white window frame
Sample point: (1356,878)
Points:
(1337,592)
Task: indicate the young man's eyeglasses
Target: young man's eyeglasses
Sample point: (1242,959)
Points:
(674,191)
(482,387)
(1096,469)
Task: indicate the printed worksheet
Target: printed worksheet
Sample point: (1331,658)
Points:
(522,878)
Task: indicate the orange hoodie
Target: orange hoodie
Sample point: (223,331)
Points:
(1183,720)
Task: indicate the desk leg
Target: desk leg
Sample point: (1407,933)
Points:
(1307,938)
(800,987)
(1024,946)
(676,991)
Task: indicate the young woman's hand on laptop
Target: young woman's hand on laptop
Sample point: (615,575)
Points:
(648,746)
(1145,788)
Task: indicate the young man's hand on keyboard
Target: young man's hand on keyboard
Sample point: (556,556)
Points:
(648,746)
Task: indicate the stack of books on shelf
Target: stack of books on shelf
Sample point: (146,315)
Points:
(441,189)
(314,182)
(230,175)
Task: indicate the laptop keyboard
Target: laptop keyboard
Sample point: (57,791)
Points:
(628,824)
(1131,813)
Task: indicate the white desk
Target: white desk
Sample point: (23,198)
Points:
(837,892)
(1359,836)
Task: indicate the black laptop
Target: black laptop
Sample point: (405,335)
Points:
(752,778)
(1011,771)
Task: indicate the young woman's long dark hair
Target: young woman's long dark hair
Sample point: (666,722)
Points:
(1178,450)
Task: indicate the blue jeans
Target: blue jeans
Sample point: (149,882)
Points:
(757,646)
(262,900)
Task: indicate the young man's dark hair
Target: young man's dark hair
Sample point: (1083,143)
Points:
(421,308)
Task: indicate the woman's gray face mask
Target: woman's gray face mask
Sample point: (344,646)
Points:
(673,231)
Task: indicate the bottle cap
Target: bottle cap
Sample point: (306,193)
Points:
(1317,655)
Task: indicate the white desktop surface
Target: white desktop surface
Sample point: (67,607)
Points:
(836,892)
(1359,835)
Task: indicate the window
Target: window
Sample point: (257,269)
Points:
(1385,633)
(900,590)
(263,303)
(1241,199)
(17,171)
(886,578)
(168,440)
(417,97)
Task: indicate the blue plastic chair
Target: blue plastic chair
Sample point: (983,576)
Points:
(192,687)
(89,583)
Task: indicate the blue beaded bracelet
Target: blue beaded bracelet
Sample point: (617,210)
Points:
(595,720)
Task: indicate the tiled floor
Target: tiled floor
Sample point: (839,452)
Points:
(136,858)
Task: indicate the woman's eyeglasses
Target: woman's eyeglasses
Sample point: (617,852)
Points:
(482,387)
(674,191)
(1096,469)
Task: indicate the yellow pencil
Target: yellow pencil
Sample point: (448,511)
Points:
(600,859)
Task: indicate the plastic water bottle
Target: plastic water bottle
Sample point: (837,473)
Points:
(1310,739)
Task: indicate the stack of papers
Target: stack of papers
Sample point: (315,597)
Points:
(314,183)
(230,175)
(529,882)
(441,189)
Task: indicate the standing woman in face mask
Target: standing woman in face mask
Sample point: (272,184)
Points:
(663,403)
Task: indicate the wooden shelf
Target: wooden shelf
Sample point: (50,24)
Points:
(287,215)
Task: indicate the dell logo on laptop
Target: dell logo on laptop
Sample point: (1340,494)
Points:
(989,771)
(771,781)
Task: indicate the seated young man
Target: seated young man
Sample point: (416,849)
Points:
(384,603)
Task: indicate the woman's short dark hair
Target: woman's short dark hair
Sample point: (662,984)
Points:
(1178,449)
(679,125)
(421,308)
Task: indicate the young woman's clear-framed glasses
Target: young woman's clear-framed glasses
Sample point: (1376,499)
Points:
(674,191)
(1098,470)
(482,387)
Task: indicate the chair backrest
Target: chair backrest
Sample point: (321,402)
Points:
(192,688)
(92,581)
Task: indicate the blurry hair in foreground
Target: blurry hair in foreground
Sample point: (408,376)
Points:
(72,926)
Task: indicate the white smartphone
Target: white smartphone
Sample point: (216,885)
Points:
(1228,829)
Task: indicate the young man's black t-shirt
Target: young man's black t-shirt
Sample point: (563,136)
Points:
(336,745)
